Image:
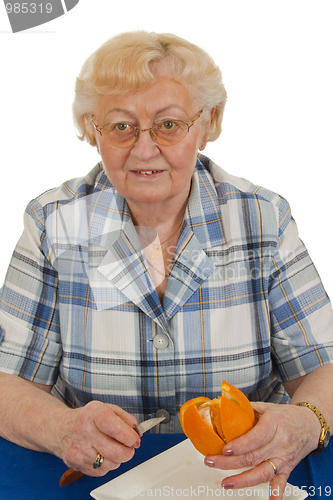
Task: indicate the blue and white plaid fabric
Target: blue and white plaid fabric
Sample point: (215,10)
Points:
(243,301)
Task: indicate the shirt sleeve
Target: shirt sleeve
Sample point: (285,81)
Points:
(30,340)
(300,310)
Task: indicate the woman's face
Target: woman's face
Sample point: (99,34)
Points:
(172,165)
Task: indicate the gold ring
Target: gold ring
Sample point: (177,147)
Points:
(98,461)
(275,469)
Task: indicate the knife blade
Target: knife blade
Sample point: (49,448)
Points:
(147,424)
(70,476)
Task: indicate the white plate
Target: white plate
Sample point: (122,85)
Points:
(180,472)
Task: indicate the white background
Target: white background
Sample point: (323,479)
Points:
(276,59)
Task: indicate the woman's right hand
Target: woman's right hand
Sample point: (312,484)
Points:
(97,428)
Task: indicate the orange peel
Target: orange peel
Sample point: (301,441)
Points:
(210,424)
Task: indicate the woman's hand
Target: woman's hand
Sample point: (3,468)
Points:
(32,418)
(284,434)
(97,428)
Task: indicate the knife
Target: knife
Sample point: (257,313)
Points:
(147,424)
(73,475)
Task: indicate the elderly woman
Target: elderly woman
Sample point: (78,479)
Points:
(157,275)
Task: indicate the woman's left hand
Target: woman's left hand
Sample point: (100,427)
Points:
(284,434)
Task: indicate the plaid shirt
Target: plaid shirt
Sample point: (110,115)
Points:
(243,301)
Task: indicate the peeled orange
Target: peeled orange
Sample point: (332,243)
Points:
(210,424)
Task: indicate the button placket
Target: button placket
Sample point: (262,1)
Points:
(166,383)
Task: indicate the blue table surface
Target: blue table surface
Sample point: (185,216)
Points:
(30,475)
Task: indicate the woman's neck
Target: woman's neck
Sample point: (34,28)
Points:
(158,228)
(160,218)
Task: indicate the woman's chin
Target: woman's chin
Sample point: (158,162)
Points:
(147,196)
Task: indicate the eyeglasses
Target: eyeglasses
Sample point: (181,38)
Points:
(165,133)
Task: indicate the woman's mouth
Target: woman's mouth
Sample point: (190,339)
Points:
(148,173)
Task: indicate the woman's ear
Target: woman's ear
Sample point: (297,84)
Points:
(89,130)
(209,121)
(88,117)
(208,125)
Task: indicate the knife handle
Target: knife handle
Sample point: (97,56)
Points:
(70,476)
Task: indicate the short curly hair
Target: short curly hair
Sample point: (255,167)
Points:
(125,64)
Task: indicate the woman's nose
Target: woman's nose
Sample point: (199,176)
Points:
(145,147)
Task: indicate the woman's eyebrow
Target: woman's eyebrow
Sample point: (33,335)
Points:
(131,115)
(119,110)
(171,106)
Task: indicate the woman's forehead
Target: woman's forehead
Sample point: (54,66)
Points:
(164,95)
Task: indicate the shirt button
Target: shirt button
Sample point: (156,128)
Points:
(161,341)
(163,413)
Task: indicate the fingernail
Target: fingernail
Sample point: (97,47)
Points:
(228,452)
(227,486)
(209,463)
(136,445)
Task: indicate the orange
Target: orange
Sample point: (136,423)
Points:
(196,402)
(229,416)
(238,397)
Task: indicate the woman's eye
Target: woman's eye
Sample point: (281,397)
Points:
(122,127)
(168,126)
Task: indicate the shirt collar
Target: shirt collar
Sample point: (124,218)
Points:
(203,214)
(125,264)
